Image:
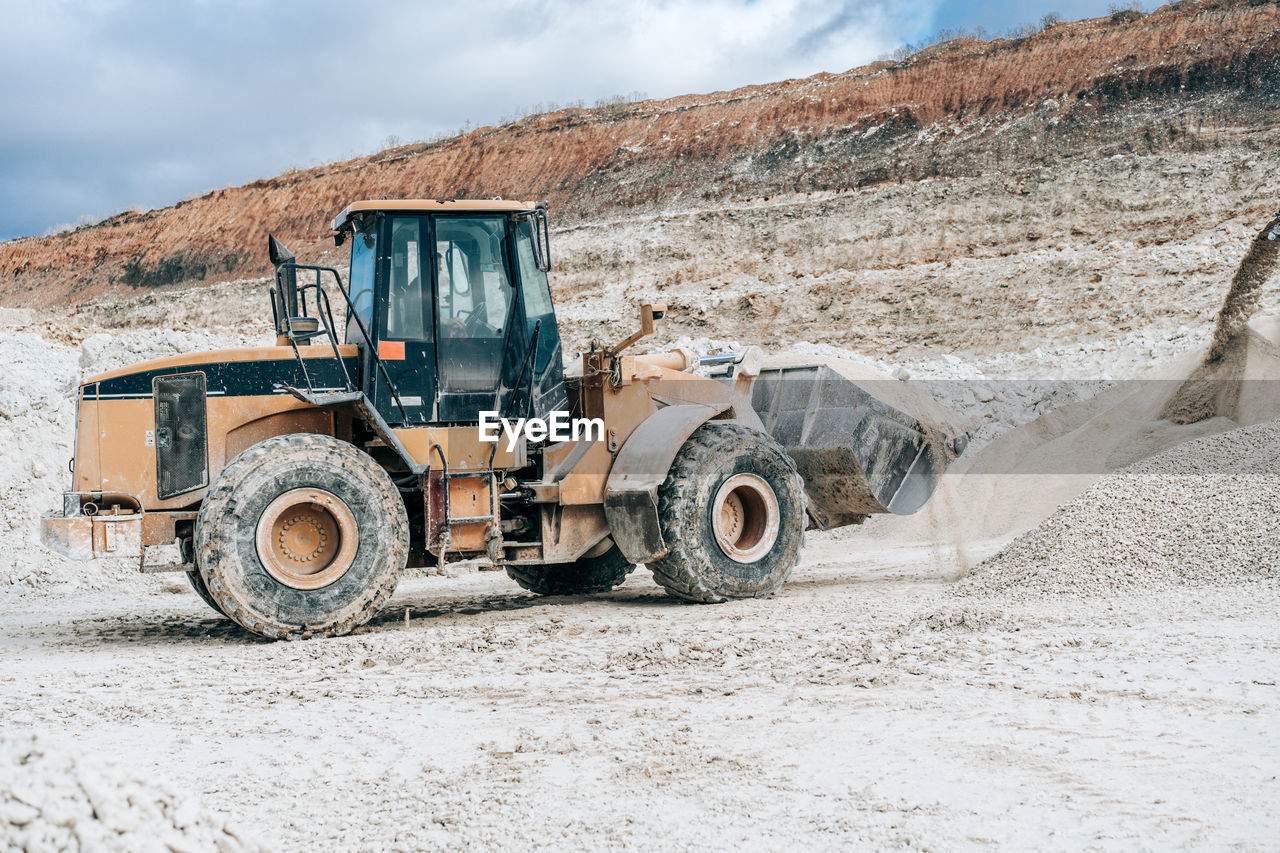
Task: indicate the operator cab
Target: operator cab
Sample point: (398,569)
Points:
(455,300)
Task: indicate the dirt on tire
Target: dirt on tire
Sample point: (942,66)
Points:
(225,538)
(586,575)
(197,584)
(695,568)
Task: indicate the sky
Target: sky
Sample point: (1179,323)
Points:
(111,105)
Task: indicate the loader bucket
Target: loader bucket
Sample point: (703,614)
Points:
(863,443)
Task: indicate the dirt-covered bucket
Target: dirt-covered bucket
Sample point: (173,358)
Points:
(863,442)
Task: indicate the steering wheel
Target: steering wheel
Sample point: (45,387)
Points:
(473,321)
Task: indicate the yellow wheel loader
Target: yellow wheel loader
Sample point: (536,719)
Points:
(421,412)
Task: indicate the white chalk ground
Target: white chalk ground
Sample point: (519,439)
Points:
(55,798)
(867,706)
(864,707)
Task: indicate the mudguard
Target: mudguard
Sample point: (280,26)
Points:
(631,492)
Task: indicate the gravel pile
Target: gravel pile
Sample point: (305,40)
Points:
(54,800)
(38,383)
(37,418)
(102,352)
(1201,513)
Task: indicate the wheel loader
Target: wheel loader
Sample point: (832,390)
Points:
(422,412)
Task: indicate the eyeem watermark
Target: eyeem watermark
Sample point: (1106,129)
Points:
(559,427)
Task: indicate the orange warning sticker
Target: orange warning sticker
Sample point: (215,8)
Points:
(391,350)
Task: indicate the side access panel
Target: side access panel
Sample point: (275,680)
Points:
(181,434)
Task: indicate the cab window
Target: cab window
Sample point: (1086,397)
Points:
(535,293)
(363,252)
(408,306)
(474,298)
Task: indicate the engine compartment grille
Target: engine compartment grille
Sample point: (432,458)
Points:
(182,449)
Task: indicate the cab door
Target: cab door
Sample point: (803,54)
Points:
(405,323)
(475,304)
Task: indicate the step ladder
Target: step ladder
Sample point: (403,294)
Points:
(448,523)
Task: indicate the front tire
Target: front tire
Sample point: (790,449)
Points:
(302,535)
(600,573)
(732,510)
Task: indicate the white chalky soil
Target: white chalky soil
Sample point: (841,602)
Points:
(865,705)
(53,797)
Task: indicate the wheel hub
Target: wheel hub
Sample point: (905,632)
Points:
(307,538)
(745,517)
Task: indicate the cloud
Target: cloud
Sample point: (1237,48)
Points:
(114,104)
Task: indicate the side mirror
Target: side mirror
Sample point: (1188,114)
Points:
(541,237)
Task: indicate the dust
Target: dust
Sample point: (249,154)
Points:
(1021,477)
(1213,389)
(1191,500)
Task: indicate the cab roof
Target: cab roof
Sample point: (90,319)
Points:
(420,205)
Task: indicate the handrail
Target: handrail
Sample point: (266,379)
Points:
(364,332)
(302,362)
(333,338)
(446,538)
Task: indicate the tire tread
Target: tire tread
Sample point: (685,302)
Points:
(679,571)
(221,502)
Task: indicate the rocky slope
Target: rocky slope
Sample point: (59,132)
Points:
(1190,78)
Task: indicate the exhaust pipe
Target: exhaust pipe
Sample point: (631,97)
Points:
(286,280)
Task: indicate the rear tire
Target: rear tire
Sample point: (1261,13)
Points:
(732,510)
(301,535)
(197,584)
(586,575)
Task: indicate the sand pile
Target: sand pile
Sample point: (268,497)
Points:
(37,418)
(1202,513)
(53,800)
(38,384)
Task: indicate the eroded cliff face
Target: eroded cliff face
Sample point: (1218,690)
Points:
(1192,76)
